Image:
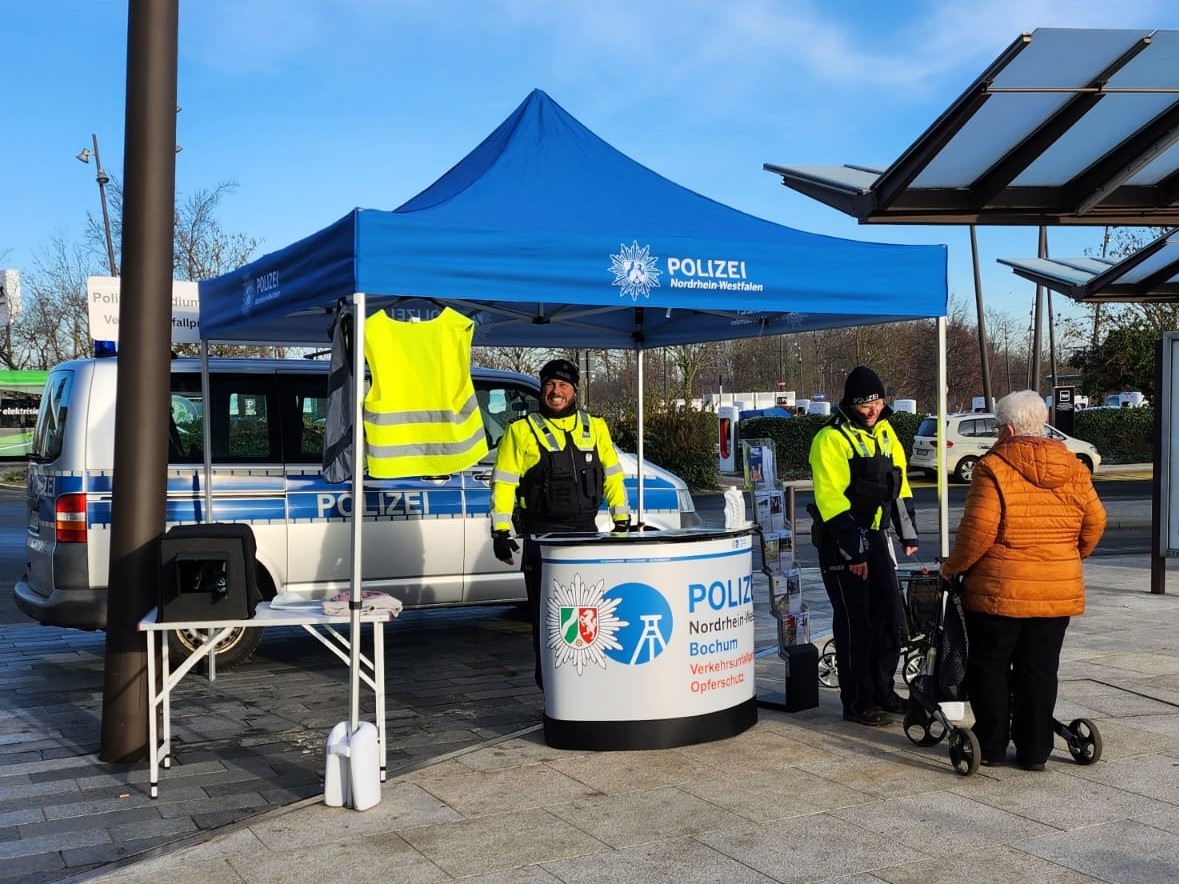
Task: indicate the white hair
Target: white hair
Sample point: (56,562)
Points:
(1024,410)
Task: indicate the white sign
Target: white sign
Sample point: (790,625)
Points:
(638,631)
(102,300)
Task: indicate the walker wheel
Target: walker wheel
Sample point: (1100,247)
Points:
(912,668)
(964,751)
(922,730)
(828,670)
(1084,741)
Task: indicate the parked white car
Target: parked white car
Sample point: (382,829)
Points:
(969,436)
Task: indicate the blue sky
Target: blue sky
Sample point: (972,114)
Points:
(314,107)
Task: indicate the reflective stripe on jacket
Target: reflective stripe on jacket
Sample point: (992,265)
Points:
(421,417)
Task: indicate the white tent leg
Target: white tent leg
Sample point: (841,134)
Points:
(358,316)
(943,488)
(207,432)
(638,515)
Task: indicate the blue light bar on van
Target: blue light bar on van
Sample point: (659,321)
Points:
(105,348)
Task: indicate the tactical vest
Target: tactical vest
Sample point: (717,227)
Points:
(875,480)
(421,417)
(563,490)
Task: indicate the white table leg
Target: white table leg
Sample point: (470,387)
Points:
(166,698)
(153,749)
(379,690)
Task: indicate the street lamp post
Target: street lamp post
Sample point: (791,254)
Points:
(103,179)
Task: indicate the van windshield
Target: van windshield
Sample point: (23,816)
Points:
(51,419)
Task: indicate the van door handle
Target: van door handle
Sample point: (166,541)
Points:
(484,476)
(438,479)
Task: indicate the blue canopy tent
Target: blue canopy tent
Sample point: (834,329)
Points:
(547,236)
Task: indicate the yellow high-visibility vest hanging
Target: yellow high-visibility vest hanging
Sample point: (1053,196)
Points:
(421,417)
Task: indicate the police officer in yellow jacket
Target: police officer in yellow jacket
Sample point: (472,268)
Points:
(553,469)
(858,466)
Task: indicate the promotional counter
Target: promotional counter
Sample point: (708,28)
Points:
(647,638)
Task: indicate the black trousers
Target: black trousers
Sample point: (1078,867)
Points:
(1011,681)
(531,567)
(867,622)
(530,564)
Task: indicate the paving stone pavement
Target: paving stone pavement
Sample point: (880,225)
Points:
(250,741)
(475,794)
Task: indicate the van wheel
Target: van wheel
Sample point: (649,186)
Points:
(237,648)
(965,469)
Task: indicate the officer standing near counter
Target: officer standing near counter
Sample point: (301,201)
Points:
(858,467)
(552,471)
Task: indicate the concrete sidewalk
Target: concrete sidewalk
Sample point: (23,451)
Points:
(804,797)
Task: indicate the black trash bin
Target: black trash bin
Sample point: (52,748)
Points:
(207,573)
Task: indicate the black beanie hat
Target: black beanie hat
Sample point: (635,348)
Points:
(862,386)
(562,370)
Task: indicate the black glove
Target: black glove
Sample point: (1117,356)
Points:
(503,545)
(621,524)
(850,545)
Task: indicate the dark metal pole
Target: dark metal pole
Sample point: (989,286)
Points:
(1097,307)
(103,180)
(1052,342)
(1158,561)
(141,409)
(1037,333)
(1051,327)
(984,357)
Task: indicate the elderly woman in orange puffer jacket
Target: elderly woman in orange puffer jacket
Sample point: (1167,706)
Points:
(1031,516)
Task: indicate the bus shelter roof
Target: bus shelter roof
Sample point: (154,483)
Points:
(1150,275)
(1066,127)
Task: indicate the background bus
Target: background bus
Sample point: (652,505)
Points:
(20,396)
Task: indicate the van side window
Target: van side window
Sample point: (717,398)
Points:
(51,418)
(500,403)
(305,423)
(244,419)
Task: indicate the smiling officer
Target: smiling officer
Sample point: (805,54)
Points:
(552,472)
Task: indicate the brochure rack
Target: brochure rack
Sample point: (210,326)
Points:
(783,575)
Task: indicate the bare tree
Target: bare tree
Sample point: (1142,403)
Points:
(689,360)
(203,248)
(53,324)
(1121,242)
(526,360)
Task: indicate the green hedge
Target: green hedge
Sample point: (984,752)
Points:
(683,442)
(1122,435)
(792,438)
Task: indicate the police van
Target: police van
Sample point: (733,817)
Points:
(426,540)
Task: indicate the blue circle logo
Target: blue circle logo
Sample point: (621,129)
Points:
(649,623)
